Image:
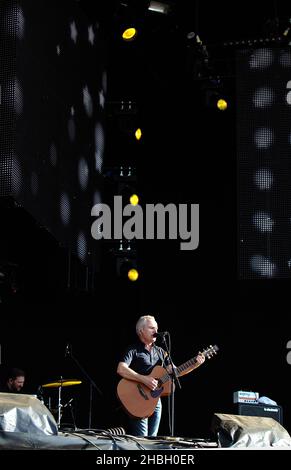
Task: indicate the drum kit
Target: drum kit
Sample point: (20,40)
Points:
(59,384)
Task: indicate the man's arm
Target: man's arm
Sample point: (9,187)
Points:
(127,373)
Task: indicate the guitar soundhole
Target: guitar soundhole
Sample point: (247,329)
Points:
(156,393)
(142,392)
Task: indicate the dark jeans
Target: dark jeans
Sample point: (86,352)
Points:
(147,426)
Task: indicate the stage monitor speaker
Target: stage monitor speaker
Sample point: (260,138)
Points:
(25,414)
(249,431)
(267,411)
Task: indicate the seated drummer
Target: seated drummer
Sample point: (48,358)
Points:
(12,380)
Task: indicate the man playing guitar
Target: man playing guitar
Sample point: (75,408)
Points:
(146,372)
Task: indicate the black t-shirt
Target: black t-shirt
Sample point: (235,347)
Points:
(4,388)
(142,361)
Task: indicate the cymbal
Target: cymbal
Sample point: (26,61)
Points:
(62,383)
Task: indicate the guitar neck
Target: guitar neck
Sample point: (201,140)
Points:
(207,353)
(179,369)
(186,365)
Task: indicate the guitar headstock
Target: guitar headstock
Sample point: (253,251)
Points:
(210,351)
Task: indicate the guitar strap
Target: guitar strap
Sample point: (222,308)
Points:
(161,355)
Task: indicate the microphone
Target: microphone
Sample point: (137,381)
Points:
(160,334)
(68,350)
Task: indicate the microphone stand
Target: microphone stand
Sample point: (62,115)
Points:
(92,385)
(174,379)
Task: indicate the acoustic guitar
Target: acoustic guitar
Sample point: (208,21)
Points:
(139,401)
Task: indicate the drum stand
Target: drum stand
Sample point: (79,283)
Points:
(59,406)
(59,384)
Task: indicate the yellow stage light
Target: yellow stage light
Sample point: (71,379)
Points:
(221,104)
(133,274)
(129,34)
(134,199)
(138,134)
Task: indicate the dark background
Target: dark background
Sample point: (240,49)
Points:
(188,155)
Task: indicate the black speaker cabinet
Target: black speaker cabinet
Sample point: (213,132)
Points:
(267,411)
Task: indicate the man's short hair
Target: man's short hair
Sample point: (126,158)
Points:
(14,372)
(141,322)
